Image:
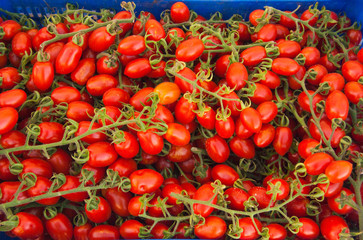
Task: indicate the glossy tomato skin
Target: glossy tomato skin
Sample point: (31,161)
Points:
(85,69)
(99,84)
(168,92)
(352,71)
(138,68)
(236,76)
(130,229)
(243,148)
(253,55)
(217,149)
(10,77)
(59,227)
(81,232)
(226,174)
(276,231)
(71,183)
(353,91)
(265,136)
(225,128)
(309,229)
(305,147)
(251,119)
(124,26)
(334,204)
(41,187)
(204,193)
(285,66)
(317,163)
(332,226)
(37,166)
(237,197)
(141,98)
(104,232)
(21,44)
(155,29)
(118,200)
(105,65)
(189,50)
(124,167)
(213,228)
(337,105)
(179,12)
(249,230)
(150,142)
(100,40)
(145,181)
(289,49)
(283,140)
(68,58)
(30,226)
(101,214)
(91,138)
(338,171)
(132,45)
(8,119)
(50,132)
(177,134)
(65,94)
(101,154)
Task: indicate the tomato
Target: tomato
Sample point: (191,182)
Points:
(150,142)
(138,68)
(163,114)
(50,132)
(105,65)
(100,39)
(353,91)
(204,193)
(179,12)
(222,64)
(60,161)
(170,189)
(255,15)
(68,58)
(98,175)
(130,229)
(43,75)
(308,230)
(132,45)
(8,119)
(100,214)
(189,50)
(177,134)
(65,94)
(53,50)
(261,94)
(145,181)
(213,228)
(5,173)
(128,148)
(305,147)
(304,102)
(135,207)
(320,70)
(13,139)
(335,205)
(42,186)
(317,163)
(243,148)
(154,29)
(207,119)
(352,71)
(101,154)
(81,232)
(21,44)
(270,80)
(72,182)
(287,21)
(125,27)
(104,232)
(118,200)
(79,27)
(99,84)
(327,130)
(115,97)
(249,228)
(332,226)
(29,227)
(253,55)
(138,25)
(289,49)
(59,227)
(225,127)
(251,119)
(8,190)
(312,56)
(124,167)
(183,85)
(91,138)
(226,174)
(10,77)
(285,66)
(283,190)
(236,197)
(337,105)
(217,149)
(267,33)
(268,111)
(85,69)
(265,136)
(236,76)
(332,189)
(168,92)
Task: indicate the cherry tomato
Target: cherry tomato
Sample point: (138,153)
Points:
(21,44)
(285,66)
(100,39)
(43,75)
(81,232)
(50,132)
(217,149)
(101,213)
(352,71)
(204,193)
(226,174)
(353,91)
(236,76)
(225,127)
(107,65)
(71,183)
(255,15)
(138,68)
(267,33)
(68,58)
(42,186)
(168,92)
(243,148)
(317,163)
(268,111)
(99,84)
(150,142)
(179,12)
(101,154)
(265,136)
(253,55)
(249,228)
(130,229)
(213,228)
(332,226)
(189,50)
(309,229)
(289,49)
(132,45)
(85,69)
(276,231)
(29,227)
(8,119)
(155,30)
(104,232)
(91,138)
(337,105)
(59,227)
(305,147)
(251,119)
(283,189)
(145,181)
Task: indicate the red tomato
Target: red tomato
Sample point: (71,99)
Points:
(321,71)
(352,71)
(236,76)
(124,26)
(60,161)
(213,228)
(337,105)
(204,193)
(90,138)
(308,230)
(168,190)
(261,94)
(99,84)
(101,154)
(222,64)
(353,91)
(8,119)
(154,29)
(185,86)
(317,163)
(285,66)
(312,56)
(106,65)
(225,127)
(268,111)
(189,50)
(59,227)
(10,77)
(305,147)
(179,12)
(236,197)
(255,15)
(65,94)
(332,226)
(124,167)
(128,148)
(100,39)
(180,153)
(168,92)
(217,149)
(115,97)
(332,189)
(135,207)
(208,119)
(145,181)
(104,232)
(71,183)
(265,136)
(68,58)
(138,68)
(81,232)
(43,75)
(271,80)
(132,45)
(85,69)
(50,132)
(251,119)
(283,140)
(327,130)
(21,44)
(335,205)
(267,33)
(226,174)
(304,102)
(141,98)
(29,227)
(130,229)
(118,200)
(253,55)
(177,134)
(249,228)
(243,148)
(276,231)
(150,142)
(289,49)
(101,213)
(42,186)
(283,190)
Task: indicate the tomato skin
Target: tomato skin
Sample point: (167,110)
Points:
(13,139)
(30,226)
(130,229)
(37,166)
(138,68)
(132,45)
(289,49)
(68,58)
(50,132)
(208,119)
(332,226)
(8,119)
(213,228)
(243,148)
(283,140)
(150,142)
(155,29)
(81,232)
(327,130)
(124,26)
(353,91)
(43,75)
(332,190)
(251,119)
(177,134)
(265,136)
(184,111)
(222,64)
(285,66)
(141,98)
(8,190)
(337,105)
(236,75)
(249,230)
(129,148)
(179,12)
(317,163)
(145,181)
(59,227)
(118,200)
(99,84)
(276,231)
(5,174)
(312,56)
(101,214)
(85,69)
(217,149)
(42,186)
(225,128)
(309,229)
(124,167)
(226,174)
(101,154)
(253,55)
(262,94)
(236,197)
(21,44)
(65,94)
(71,183)
(303,100)
(255,15)
(204,193)
(103,68)
(94,137)
(134,206)
(305,147)
(183,85)
(271,80)
(352,71)
(104,232)
(321,73)
(99,173)
(334,204)
(115,97)
(168,92)
(100,40)
(268,111)
(189,50)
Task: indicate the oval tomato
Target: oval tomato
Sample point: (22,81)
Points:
(145,181)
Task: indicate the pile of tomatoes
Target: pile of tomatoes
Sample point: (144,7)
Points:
(117,126)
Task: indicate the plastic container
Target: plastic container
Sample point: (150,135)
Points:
(39,8)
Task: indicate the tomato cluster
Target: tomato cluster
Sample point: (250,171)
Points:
(116,126)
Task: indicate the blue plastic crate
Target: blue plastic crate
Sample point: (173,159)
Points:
(39,8)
